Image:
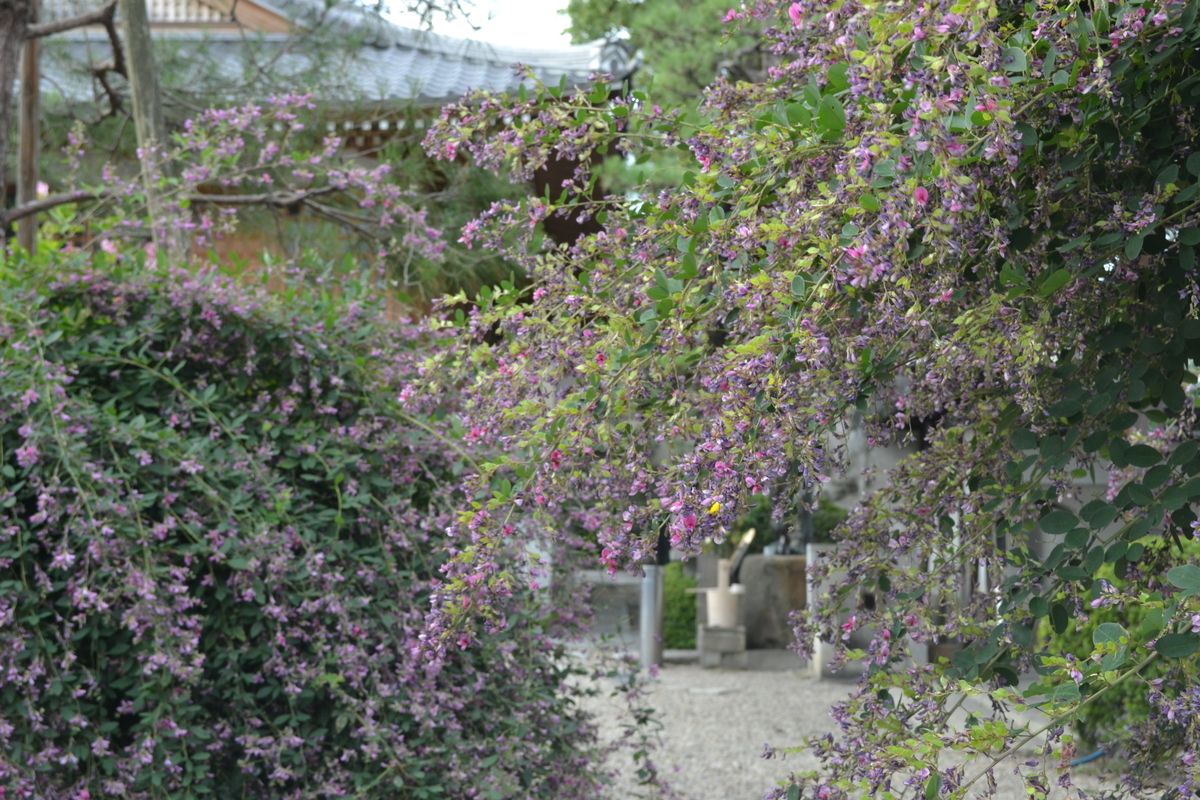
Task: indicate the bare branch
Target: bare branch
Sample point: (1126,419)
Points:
(115,106)
(101,16)
(267,199)
(53,201)
(334,215)
(114,42)
(270,199)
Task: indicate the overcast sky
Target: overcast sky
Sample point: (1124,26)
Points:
(528,23)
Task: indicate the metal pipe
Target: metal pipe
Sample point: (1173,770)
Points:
(650,616)
(1088,758)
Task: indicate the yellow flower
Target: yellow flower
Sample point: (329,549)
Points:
(714,508)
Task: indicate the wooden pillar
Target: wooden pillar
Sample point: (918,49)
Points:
(29,125)
(14,16)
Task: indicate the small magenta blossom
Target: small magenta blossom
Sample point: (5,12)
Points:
(921,195)
(796,13)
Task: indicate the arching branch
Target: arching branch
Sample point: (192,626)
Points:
(101,16)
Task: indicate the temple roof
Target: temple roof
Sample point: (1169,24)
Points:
(387,63)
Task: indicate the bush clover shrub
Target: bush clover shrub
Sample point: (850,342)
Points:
(219,537)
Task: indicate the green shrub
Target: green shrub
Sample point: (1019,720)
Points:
(1125,704)
(679,608)
(219,538)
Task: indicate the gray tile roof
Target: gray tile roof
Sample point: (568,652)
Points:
(392,65)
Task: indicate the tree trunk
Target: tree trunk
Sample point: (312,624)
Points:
(14,19)
(146,102)
(29,149)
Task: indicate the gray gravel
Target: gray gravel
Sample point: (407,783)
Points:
(716,723)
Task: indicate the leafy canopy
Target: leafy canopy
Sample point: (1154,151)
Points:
(979,217)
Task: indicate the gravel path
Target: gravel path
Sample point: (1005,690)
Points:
(716,723)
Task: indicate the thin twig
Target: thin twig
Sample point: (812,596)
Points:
(1056,720)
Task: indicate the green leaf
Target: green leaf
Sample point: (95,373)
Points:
(1184,453)
(1065,408)
(1058,522)
(1013,60)
(1091,508)
(1156,477)
(1056,281)
(1178,645)
(1143,455)
(798,287)
(1117,340)
(1186,578)
(1193,164)
(1058,617)
(1123,422)
(1099,404)
(1109,632)
(1139,494)
(831,115)
(1067,693)
(1070,572)
(1039,607)
(238,563)
(793,792)
(1116,552)
(1077,538)
(1023,439)
(1189,236)
(933,786)
(1133,247)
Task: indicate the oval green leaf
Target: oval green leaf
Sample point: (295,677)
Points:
(1184,453)
(1178,645)
(1013,59)
(1058,522)
(1023,439)
(1186,578)
(831,115)
(1109,632)
(1056,281)
(1133,246)
(1103,517)
(1143,455)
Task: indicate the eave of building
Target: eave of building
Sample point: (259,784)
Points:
(393,65)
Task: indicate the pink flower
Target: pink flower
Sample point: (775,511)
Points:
(794,13)
(921,195)
(63,560)
(27,456)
